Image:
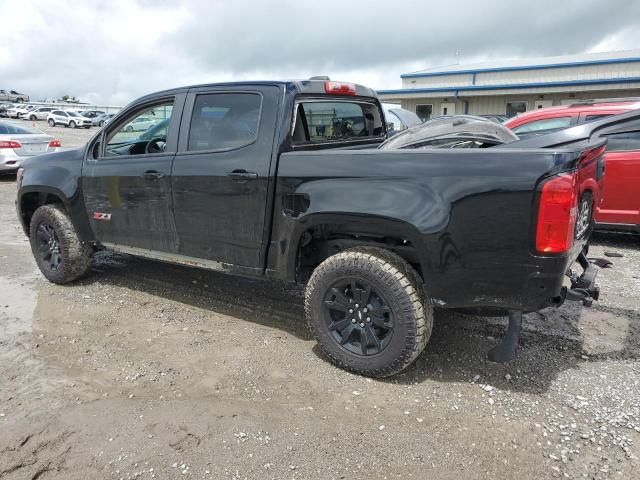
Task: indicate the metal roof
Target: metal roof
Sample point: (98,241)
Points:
(602,58)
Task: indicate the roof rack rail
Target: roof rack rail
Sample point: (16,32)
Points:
(595,101)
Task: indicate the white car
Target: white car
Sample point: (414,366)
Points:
(68,119)
(140,124)
(38,113)
(16,111)
(19,142)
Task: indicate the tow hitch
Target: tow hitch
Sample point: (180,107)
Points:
(583,287)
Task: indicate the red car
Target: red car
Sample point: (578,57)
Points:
(619,206)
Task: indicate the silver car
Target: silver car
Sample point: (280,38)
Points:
(13,96)
(19,142)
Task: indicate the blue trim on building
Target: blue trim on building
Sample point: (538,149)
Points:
(524,67)
(507,86)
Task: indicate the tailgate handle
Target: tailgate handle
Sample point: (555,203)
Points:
(242,175)
(153,175)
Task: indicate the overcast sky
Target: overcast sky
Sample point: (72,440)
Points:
(110,52)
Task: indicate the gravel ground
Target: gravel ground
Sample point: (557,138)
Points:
(146,370)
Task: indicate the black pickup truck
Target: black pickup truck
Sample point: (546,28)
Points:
(284,180)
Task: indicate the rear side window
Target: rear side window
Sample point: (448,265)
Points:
(591,118)
(545,124)
(622,142)
(224,121)
(327,121)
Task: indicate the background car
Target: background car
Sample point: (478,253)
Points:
(619,207)
(91,113)
(399,119)
(68,119)
(3,109)
(13,96)
(550,119)
(19,142)
(140,124)
(101,120)
(14,111)
(38,113)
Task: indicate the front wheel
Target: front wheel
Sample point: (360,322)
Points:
(59,253)
(366,309)
(72,124)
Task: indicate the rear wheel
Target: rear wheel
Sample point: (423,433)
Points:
(59,253)
(366,309)
(51,122)
(33,118)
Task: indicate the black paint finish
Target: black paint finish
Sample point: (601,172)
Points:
(467,216)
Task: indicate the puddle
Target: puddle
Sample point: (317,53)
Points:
(17,304)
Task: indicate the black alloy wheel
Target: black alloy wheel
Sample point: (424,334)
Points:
(358,317)
(48,246)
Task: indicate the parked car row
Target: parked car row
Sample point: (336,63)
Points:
(56,116)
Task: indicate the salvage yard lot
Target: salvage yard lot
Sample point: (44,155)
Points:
(146,370)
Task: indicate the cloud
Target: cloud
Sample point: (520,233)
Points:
(113,51)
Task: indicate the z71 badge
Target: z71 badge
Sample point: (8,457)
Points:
(102,216)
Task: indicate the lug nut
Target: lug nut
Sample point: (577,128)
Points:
(357,306)
(365,310)
(351,310)
(353,320)
(368,319)
(362,324)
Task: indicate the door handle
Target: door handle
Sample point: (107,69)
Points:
(153,175)
(242,175)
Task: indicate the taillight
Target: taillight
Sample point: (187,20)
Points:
(339,88)
(9,144)
(55,143)
(557,214)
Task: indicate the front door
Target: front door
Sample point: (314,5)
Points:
(448,108)
(220,174)
(620,202)
(127,179)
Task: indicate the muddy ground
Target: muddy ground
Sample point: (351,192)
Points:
(145,370)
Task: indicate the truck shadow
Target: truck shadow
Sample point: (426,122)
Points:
(552,341)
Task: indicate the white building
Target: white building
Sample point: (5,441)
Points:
(513,86)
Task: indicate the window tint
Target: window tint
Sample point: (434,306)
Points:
(321,121)
(128,136)
(545,124)
(591,118)
(223,121)
(619,142)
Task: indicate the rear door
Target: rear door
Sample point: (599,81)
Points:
(220,175)
(620,202)
(127,181)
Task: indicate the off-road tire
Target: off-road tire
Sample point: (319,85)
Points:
(402,287)
(76,256)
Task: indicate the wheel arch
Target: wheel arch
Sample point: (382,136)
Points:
(322,235)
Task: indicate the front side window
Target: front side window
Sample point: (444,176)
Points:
(224,121)
(325,121)
(545,124)
(623,142)
(131,136)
